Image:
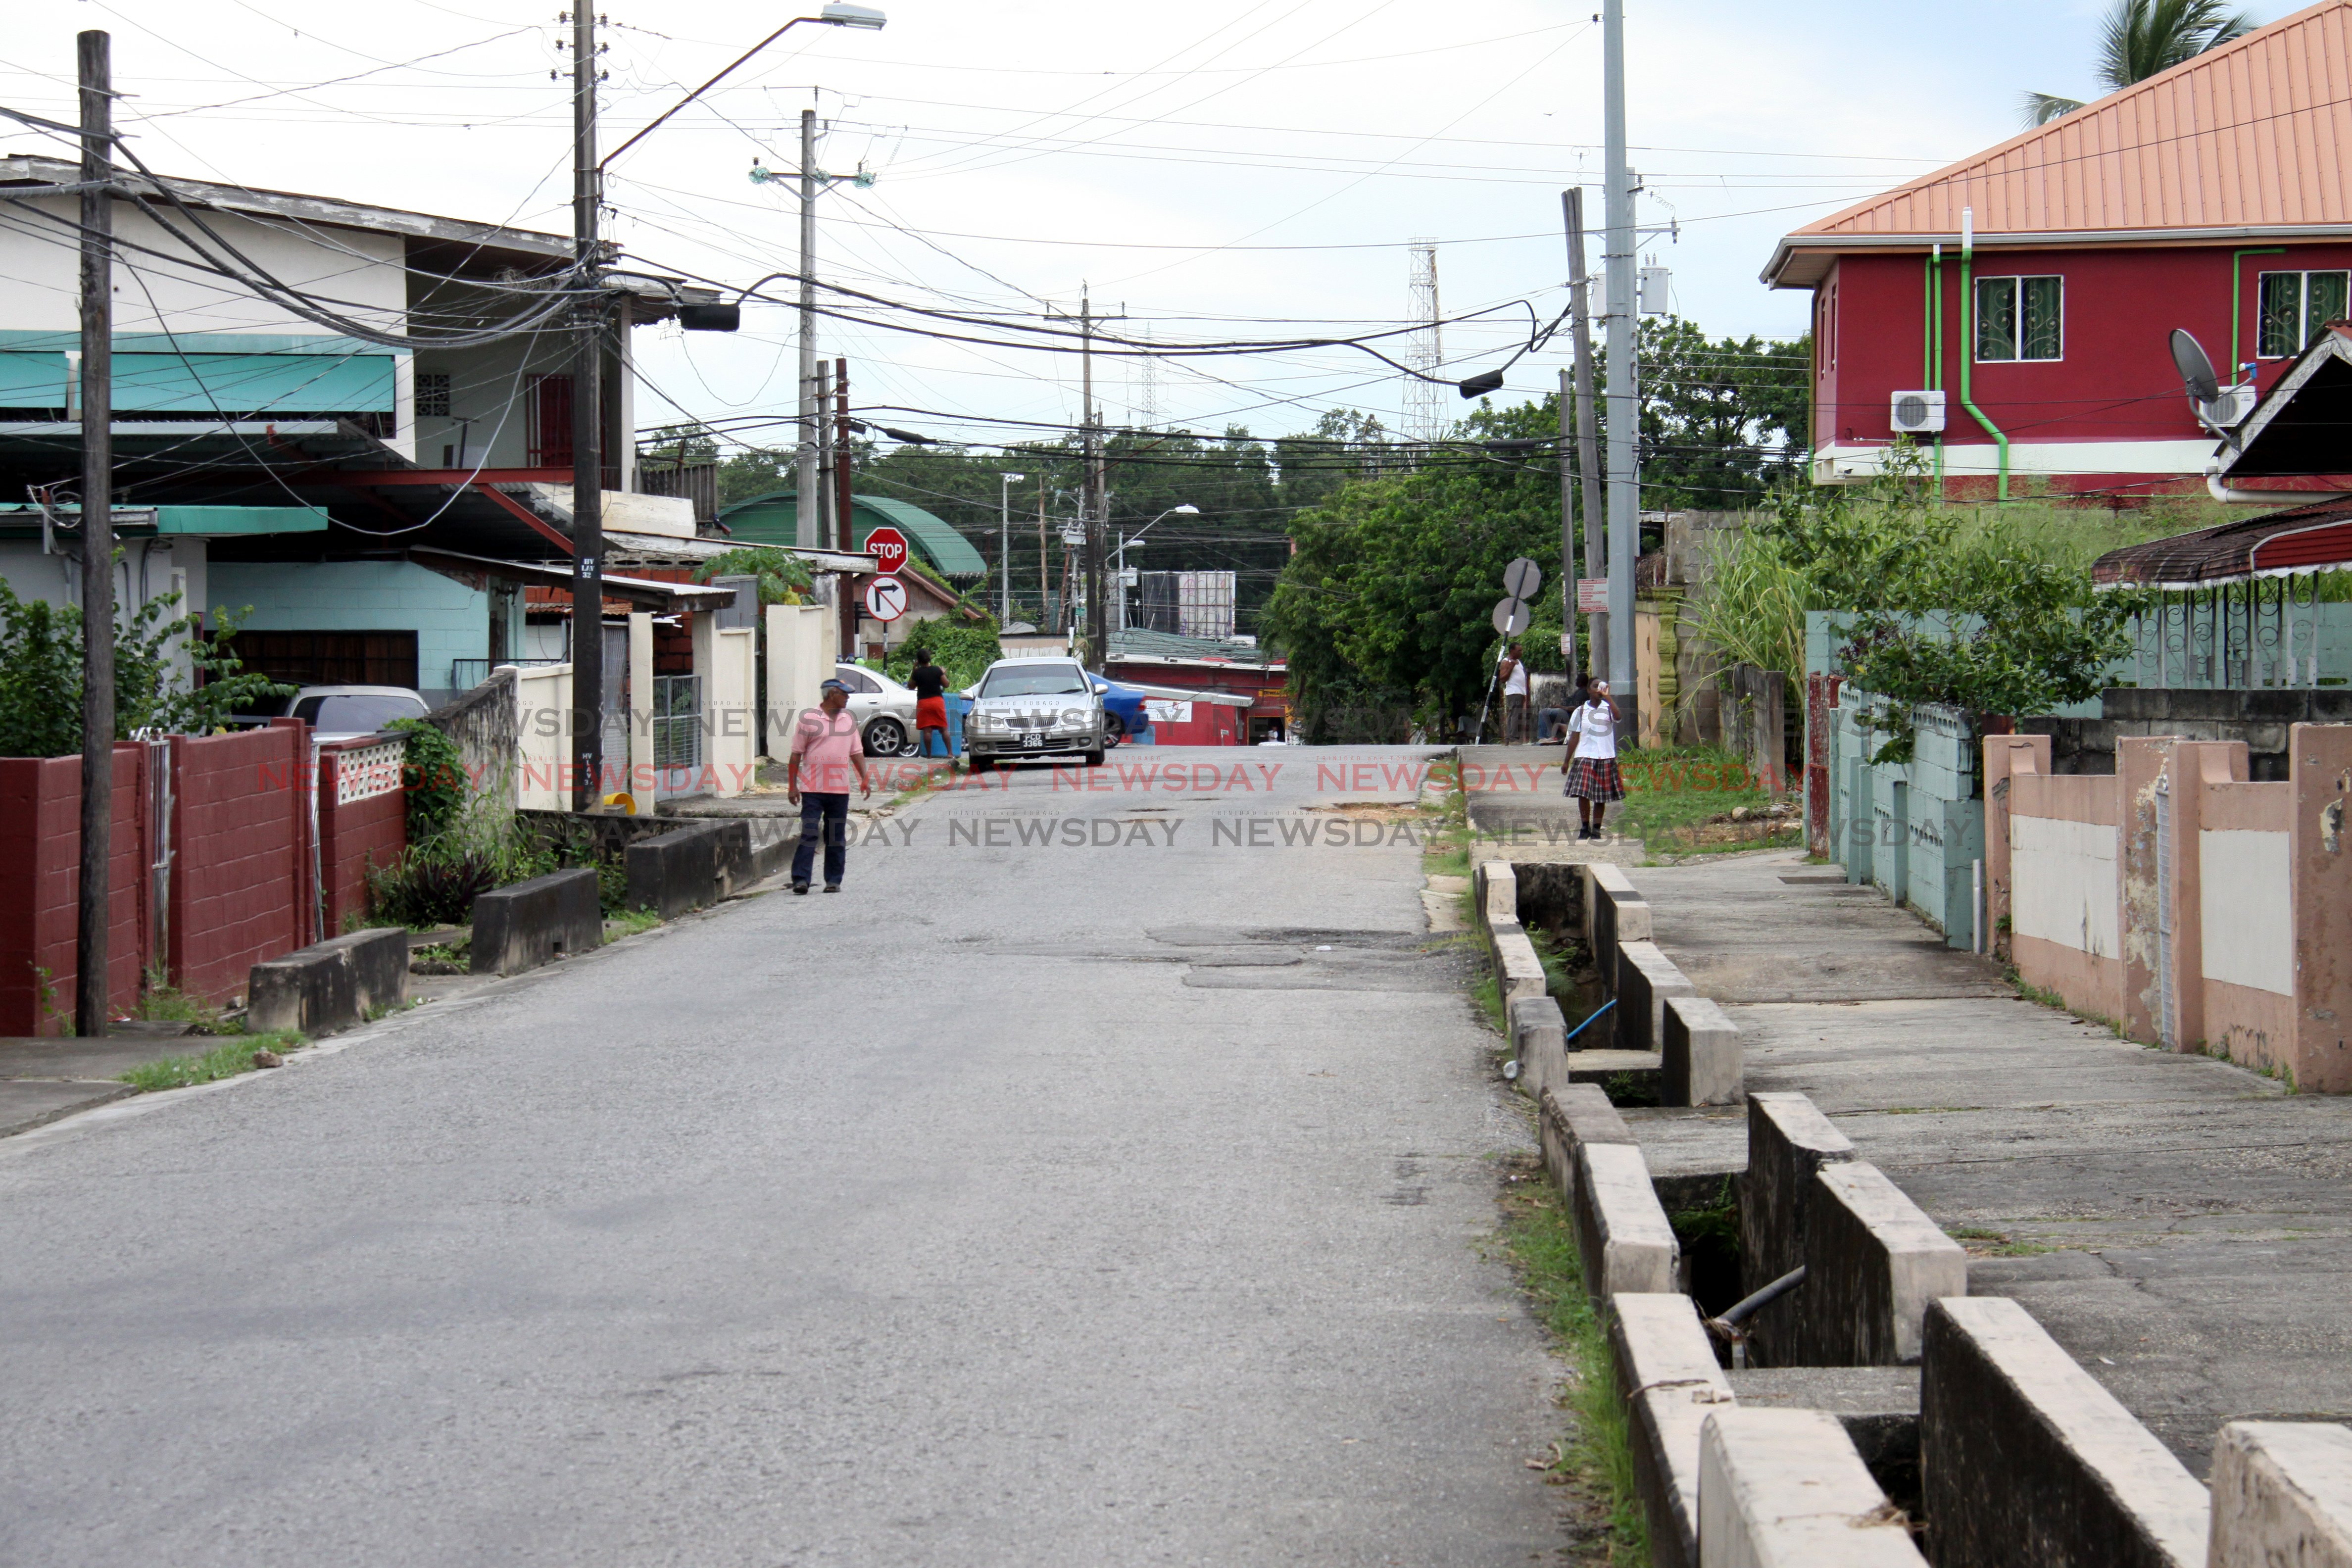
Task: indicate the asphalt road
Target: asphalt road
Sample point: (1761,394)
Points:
(1116,1196)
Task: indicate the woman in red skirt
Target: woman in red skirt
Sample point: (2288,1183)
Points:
(930,684)
(1591,762)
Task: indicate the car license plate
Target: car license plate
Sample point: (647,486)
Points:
(1031,738)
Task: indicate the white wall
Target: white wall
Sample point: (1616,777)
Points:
(43,272)
(2063,882)
(542,701)
(800,654)
(2246,904)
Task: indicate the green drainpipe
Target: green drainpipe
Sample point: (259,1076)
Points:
(1968,356)
(1936,347)
(2237,305)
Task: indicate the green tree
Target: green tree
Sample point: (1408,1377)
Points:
(1723,421)
(2141,38)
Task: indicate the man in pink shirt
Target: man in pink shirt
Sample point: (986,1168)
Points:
(826,751)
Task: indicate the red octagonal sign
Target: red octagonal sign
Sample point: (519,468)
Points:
(888,548)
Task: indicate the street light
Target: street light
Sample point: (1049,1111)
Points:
(1004,543)
(1185,508)
(836,15)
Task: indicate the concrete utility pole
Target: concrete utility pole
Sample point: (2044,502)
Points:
(1588,424)
(804,515)
(1624,412)
(1094,502)
(587,428)
(97,80)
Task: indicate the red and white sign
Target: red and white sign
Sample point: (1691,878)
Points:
(888,548)
(1593,596)
(885,597)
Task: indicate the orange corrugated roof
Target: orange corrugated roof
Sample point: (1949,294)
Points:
(2253,135)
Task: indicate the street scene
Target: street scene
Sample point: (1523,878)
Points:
(888,785)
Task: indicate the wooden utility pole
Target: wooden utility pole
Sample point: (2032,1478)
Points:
(587,429)
(845,514)
(1588,435)
(95,53)
(1045,573)
(1094,505)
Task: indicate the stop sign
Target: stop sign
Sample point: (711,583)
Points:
(888,548)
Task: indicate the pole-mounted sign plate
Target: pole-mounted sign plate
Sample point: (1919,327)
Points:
(1522,579)
(888,548)
(1593,596)
(1511,617)
(886,598)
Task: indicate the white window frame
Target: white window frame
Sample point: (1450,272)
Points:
(2016,281)
(2303,277)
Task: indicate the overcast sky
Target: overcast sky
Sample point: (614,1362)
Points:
(1213,171)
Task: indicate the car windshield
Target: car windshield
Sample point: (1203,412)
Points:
(1047,680)
(357,714)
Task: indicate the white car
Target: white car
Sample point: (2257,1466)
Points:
(884,711)
(341,713)
(1035,710)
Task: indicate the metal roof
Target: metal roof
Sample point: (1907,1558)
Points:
(933,537)
(2305,539)
(2247,140)
(1136,643)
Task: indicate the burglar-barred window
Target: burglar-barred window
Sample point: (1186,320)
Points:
(433,395)
(2020,317)
(2295,305)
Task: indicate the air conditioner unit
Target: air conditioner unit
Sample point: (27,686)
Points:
(1918,414)
(2229,411)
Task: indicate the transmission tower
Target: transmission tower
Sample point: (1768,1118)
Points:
(1425,418)
(1143,386)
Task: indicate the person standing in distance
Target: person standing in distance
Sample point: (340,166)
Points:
(1513,671)
(826,751)
(1591,762)
(930,684)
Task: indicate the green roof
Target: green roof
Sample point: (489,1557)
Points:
(772,518)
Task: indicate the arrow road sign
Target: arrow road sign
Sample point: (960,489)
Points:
(888,548)
(885,597)
(1522,578)
(1510,616)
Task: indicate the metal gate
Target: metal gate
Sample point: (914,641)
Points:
(677,734)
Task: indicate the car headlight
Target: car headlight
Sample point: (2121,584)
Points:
(1077,719)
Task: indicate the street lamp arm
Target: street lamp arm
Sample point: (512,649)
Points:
(714,81)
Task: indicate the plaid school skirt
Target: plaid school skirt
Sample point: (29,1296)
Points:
(1594,778)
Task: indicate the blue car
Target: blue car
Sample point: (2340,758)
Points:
(1123,704)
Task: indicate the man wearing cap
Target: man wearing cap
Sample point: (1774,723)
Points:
(826,751)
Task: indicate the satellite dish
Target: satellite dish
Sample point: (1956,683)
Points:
(2196,370)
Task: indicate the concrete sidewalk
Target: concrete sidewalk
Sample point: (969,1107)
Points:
(1515,804)
(2182,1227)
(43,1078)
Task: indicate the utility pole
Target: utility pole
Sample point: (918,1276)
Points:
(95,51)
(1044,570)
(1587,434)
(804,526)
(845,503)
(1093,503)
(1624,415)
(587,429)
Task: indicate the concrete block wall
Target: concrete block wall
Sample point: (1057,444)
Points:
(1789,1143)
(1614,912)
(1573,1115)
(1914,828)
(1622,1231)
(362,822)
(2282,1495)
(1872,1263)
(2029,1463)
(1701,1061)
(1666,1373)
(1646,977)
(542,763)
(241,889)
(2194,907)
(1539,1044)
(40,856)
(1787,1487)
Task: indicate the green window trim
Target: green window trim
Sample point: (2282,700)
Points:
(2019,319)
(2291,308)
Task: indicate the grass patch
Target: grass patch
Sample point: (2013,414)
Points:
(1674,792)
(1598,1454)
(629,922)
(1486,992)
(162,1004)
(230,1058)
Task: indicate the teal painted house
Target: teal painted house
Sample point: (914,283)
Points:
(771,518)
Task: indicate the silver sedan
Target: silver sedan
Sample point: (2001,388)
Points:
(1035,710)
(883,710)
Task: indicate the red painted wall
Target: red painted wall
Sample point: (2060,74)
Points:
(354,837)
(2116,381)
(241,881)
(40,883)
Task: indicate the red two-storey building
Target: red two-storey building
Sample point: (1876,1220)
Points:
(2024,298)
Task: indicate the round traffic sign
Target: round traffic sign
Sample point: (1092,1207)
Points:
(1511,617)
(886,598)
(1521,578)
(888,548)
